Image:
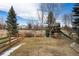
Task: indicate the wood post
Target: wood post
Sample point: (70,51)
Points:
(9,40)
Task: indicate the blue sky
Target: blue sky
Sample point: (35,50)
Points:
(68,7)
(28,11)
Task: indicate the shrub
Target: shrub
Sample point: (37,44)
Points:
(28,34)
(39,35)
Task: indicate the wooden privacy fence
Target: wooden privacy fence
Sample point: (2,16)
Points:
(6,42)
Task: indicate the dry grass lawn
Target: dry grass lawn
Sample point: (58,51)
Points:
(3,33)
(42,46)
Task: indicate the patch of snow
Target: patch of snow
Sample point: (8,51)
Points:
(8,52)
(73,44)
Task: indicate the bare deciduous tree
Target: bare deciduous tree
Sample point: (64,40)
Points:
(45,8)
(1,23)
(67,19)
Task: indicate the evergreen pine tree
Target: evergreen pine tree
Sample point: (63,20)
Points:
(76,19)
(51,19)
(12,22)
(50,22)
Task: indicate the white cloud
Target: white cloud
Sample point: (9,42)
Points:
(22,8)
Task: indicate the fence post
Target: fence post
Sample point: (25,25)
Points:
(9,40)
